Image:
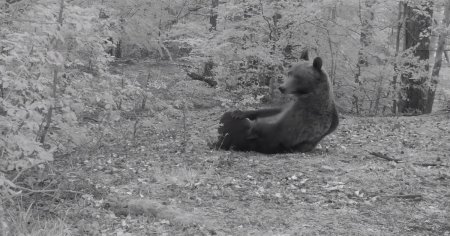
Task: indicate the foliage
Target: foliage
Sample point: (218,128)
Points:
(257,40)
(51,75)
(140,127)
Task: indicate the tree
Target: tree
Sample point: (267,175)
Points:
(438,60)
(366,17)
(214,15)
(413,94)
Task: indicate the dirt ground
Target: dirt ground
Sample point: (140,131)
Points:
(373,176)
(339,189)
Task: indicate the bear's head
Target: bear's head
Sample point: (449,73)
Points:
(306,79)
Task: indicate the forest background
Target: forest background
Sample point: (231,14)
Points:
(107,109)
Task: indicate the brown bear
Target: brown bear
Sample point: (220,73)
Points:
(298,127)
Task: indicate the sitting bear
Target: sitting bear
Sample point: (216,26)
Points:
(298,127)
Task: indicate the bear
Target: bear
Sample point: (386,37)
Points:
(297,127)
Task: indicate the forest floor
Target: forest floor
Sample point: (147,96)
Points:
(373,176)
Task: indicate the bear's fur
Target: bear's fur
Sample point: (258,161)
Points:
(296,128)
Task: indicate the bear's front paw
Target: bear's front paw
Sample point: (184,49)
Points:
(238,115)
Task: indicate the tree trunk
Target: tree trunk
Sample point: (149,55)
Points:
(209,65)
(305,55)
(43,130)
(413,94)
(438,60)
(366,17)
(118,52)
(214,15)
(400,25)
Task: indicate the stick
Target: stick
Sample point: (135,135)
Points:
(417,197)
(430,164)
(384,156)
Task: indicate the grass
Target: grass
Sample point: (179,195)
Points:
(26,222)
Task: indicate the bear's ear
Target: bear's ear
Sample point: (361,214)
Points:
(317,63)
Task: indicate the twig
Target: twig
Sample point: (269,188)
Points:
(23,170)
(46,190)
(185,131)
(19,174)
(416,197)
(430,164)
(135,126)
(209,81)
(384,156)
